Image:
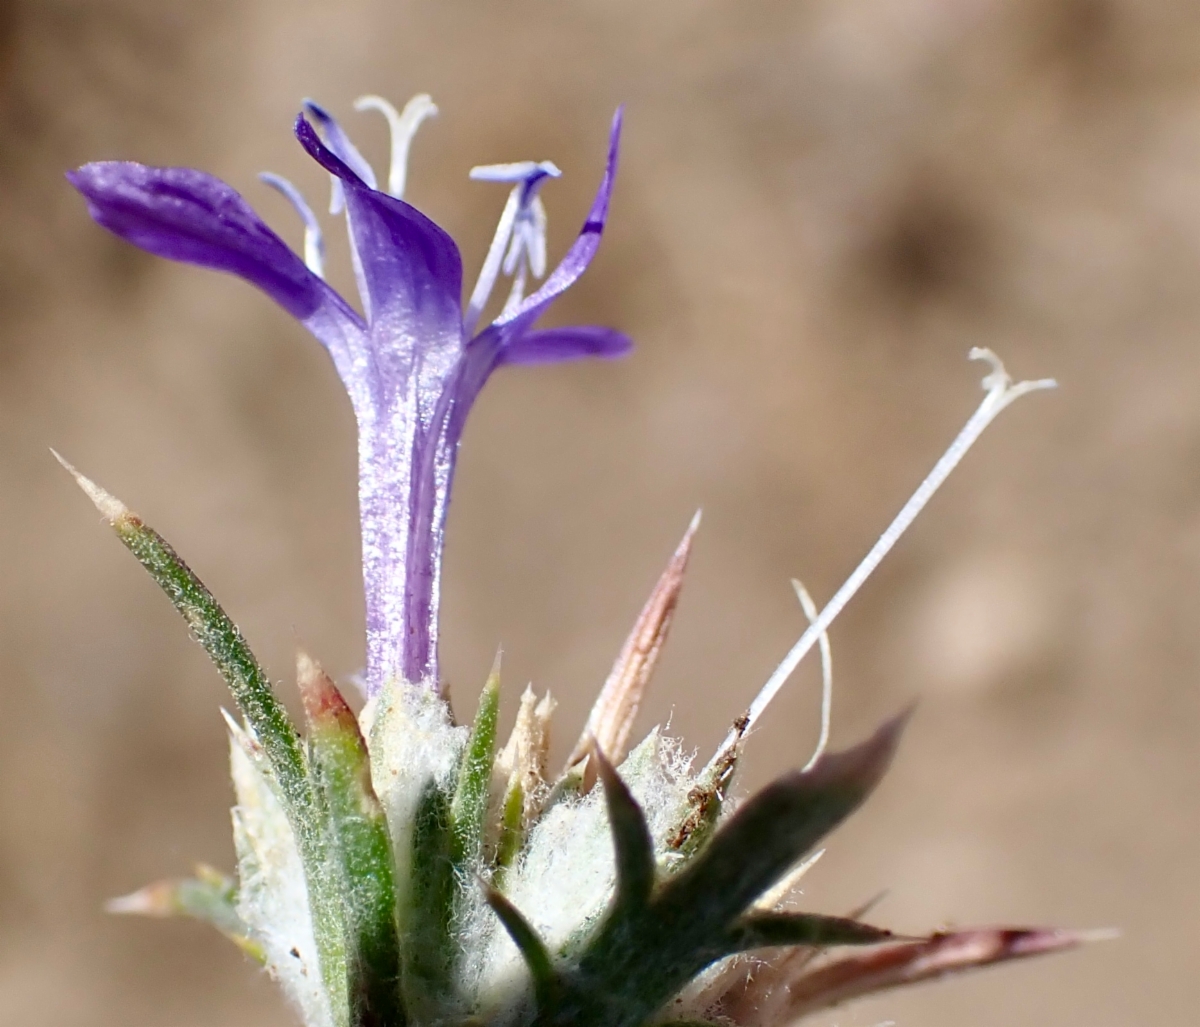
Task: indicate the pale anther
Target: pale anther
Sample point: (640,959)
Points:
(403,126)
(314,241)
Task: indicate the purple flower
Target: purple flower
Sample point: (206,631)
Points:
(411,362)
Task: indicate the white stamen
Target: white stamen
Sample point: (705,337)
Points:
(522,229)
(314,241)
(528,239)
(403,126)
(517,293)
(536,247)
(811,612)
(491,263)
(1001,392)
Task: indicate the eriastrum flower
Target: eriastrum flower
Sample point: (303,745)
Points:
(395,868)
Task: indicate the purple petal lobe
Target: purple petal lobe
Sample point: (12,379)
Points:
(410,270)
(321,153)
(193,217)
(187,215)
(411,273)
(340,143)
(554,345)
(580,254)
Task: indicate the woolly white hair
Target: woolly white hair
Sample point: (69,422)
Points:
(273,896)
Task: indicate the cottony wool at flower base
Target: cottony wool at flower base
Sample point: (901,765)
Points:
(399,868)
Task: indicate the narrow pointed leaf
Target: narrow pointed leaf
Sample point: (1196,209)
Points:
(468,808)
(427,911)
(772,830)
(759,985)
(762,930)
(533,950)
(512,825)
(632,844)
(611,719)
(857,973)
(360,845)
(625,975)
(209,897)
(252,691)
(219,636)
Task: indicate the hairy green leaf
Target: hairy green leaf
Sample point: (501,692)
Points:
(512,826)
(427,911)
(773,829)
(268,720)
(360,846)
(468,808)
(637,958)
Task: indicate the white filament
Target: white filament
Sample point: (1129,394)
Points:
(811,612)
(521,231)
(314,241)
(1001,391)
(403,126)
(528,239)
(526,252)
(517,293)
(491,263)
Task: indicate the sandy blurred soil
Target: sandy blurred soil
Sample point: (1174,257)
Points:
(821,207)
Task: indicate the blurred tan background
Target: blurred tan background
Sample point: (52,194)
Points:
(821,207)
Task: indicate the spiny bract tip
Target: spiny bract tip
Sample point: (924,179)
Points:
(108,504)
(153,900)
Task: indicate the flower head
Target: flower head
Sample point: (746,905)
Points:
(397,868)
(411,362)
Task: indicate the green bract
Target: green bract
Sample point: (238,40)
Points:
(420,877)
